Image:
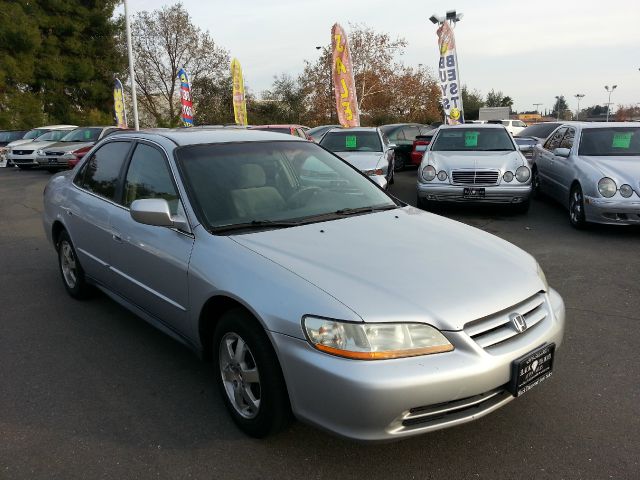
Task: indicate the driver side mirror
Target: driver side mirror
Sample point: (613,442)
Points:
(155,212)
(562,152)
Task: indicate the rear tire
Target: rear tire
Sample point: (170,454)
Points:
(70,269)
(249,376)
(535,184)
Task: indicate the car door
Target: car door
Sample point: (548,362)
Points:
(561,172)
(545,158)
(150,263)
(91,203)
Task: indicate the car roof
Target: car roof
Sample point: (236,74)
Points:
(354,129)
(475,125)
(284,125)
(604,124)
(190,136)
(54,127)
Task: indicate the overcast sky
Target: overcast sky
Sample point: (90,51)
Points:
(530,51)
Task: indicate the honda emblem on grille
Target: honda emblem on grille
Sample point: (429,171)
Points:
(519,323)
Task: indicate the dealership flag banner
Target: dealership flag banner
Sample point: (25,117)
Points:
(239,101)
(344,85)
(186,112)
(448,74)
(119,112)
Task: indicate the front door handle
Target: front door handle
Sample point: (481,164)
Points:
(116,237)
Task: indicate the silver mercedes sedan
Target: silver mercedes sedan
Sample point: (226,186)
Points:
(217,238)
(475,164)
(366,148)
(593,169)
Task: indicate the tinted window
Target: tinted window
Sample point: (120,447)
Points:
(53,135)
(472,139)
(394,133)
(82,135)
(149,177)
(611,141)
(100,173)
(556,138)
(505,123)
(35,133)
(352,141)
(539,130)
(567,140)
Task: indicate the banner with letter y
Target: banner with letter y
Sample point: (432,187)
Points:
(449,76)
(119,113)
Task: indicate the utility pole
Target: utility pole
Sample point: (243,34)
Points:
(606,87)
(132,73)
(579,96)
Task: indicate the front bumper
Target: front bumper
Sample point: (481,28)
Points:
(23,159)
(613,211)
(52,162)
(503,193)
(393,399)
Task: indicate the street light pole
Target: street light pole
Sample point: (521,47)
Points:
(606,87)
(132,73)
(579,96)
(537,105)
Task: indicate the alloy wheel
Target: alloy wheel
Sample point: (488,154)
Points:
(239,375)
(68,264)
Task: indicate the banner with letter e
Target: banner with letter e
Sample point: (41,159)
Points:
(239,100)
(186,102)
(344,84)
(449,77)
(119,113)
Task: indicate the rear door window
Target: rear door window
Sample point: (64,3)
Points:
(100,174)
(554,141)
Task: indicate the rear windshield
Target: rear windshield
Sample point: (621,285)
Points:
(540,130)
(610,142)
(349,141)
(472,139)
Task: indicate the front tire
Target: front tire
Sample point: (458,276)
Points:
(535,184)
(71,271)
(576,208)
(249,376)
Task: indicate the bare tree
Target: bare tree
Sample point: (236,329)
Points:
(164,41)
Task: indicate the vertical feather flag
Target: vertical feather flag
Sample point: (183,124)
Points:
(119,112)
(343,81)
(186,102)
(239,101)
(449,76)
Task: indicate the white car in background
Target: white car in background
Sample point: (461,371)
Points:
(23,154)
(513,126)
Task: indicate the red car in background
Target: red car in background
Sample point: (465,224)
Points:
(78,154)
(290,129)
(419,146)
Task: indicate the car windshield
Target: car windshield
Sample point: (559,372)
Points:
(7,137)
(610,141)
(317,132)
(352,141)
(472,139)
(35,133)
(253,184)
(53,136)
(82,135)
(539,130)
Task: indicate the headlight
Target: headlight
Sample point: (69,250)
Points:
(442,175)
(626,191)
(429,173)
(542,277)
(374,341)
(522,174)
(508,176)
(607,187)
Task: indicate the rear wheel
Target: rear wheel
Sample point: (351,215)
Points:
(249,375)
(70,269)
(576,207)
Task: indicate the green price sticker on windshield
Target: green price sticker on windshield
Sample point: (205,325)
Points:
(351,141)
(621,140)
(471,139)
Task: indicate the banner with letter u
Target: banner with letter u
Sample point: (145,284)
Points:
(239,100)
(448,75)
(344,84)
(186,102)
(119,113)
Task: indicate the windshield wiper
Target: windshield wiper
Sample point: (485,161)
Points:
(355,211)
(255,224)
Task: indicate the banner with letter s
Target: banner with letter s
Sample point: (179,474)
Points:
(119,113)
(344,84)
(186,102)
(450,87)
(239,101)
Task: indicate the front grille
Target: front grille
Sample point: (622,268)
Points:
(497,328)
(475,177)
(53,154)
(22,152)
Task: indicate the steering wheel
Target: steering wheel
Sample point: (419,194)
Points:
(302,196)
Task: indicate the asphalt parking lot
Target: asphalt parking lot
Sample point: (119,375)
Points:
(87,390)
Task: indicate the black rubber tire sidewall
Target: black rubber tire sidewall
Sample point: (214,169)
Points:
(275,410)
(81,290)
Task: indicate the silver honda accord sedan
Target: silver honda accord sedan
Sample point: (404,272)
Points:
(290,288)
(474,164)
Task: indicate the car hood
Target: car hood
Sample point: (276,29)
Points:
(35,146)
(362,160)
(68,146)
(476,160)
(22,141)
(620,169)
(404,265)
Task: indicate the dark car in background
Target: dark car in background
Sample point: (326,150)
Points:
(289,129)
(402,136)
(528,138)
(71,147)
(318,132)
